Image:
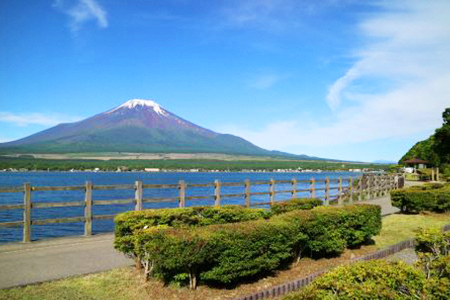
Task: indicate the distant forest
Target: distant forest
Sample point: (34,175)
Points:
(30,163)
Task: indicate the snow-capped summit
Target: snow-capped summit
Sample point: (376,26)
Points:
(136,126)
(133,103)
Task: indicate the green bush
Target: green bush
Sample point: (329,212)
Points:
(376,279)
(295,204)
(379,279)
(429,197)
(129,222)
(229,253)
(433,250)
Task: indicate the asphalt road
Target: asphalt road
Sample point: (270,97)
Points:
(40,261)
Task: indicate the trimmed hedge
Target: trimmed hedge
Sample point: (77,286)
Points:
(376,279)
(429,197)
(129,222)
(229,253)
(295,204)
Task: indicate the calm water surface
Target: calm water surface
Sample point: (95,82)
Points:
(110,178)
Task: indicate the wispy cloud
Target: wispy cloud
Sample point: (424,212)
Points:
(397,87)
(269,15)
(265,81)
(26,119)
(81,12)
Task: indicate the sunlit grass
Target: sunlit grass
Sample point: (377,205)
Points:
(120,283)
(397,228)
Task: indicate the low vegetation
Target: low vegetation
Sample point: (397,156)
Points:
(429,197)
(380,279)
(127,283)
(126,224)
(399,227)
(375,279)
(227,254)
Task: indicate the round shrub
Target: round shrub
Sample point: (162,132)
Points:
(376,279)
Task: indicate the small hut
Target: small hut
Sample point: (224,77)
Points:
(416,163)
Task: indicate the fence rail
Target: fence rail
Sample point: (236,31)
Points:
(366,187)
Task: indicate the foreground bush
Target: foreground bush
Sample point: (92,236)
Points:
(129,222)
(379,279)
(376,279)
(229,253)
(430,197)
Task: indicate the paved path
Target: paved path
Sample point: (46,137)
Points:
(385,203)
(39,261)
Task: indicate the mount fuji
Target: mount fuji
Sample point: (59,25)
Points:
(140,126)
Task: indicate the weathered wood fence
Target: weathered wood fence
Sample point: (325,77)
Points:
(366,187)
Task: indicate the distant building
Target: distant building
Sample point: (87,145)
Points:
(416,163)
(152,169)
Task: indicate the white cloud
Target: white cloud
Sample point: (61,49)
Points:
(265,81)
(406,48)
(26,119)
(82,11)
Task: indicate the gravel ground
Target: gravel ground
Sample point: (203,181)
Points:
(408,256)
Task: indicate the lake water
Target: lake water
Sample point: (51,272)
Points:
(8,179)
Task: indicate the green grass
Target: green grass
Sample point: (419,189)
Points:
(397,228)
(125,283)
(115,284)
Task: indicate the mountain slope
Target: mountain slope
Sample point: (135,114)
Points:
(135,126)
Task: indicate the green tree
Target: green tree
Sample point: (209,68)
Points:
(435,149)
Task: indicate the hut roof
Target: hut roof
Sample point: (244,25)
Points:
(416,161)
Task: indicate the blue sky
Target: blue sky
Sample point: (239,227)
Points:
(356,80)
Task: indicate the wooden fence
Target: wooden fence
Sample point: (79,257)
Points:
(366,187)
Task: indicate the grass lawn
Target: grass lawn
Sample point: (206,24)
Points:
(126,283)
(397,228)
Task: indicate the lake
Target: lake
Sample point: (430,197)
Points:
(9,179)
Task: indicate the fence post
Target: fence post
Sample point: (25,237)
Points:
(294,188)
(88,209)
(350,189)
(272,191)
(360,187)
(181,193)
(27,213)
(217,193)
(247,193)
(432,174)
(340,200)
(138,207)
(312,188)
(138,195)
(327,191)
(437,174)
(369,187)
